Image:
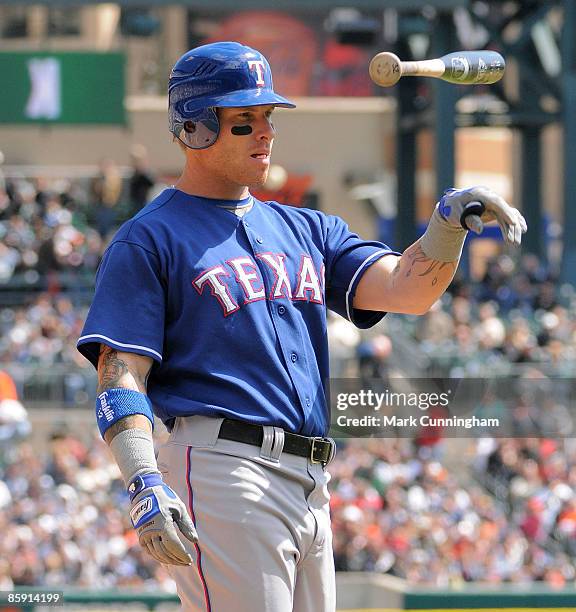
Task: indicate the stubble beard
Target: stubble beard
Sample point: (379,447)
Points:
(259,182)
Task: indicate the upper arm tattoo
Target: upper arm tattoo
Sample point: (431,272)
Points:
(113,372)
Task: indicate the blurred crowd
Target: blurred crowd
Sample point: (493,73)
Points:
(499,510)
(38,349)
(397,509)
(54,226)
(518,316)
(64,519)
(536,480)
(52,235)
(43,332)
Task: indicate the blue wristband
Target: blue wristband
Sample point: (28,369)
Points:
(115,404)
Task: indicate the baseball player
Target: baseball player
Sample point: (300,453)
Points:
(210,314)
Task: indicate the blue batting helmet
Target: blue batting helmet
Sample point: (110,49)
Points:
(218,75)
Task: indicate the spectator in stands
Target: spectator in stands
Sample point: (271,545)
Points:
(14,423)
(106,192)
(2,178)
(373,358)
(141,180)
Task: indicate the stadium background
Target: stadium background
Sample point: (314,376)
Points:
(429,522)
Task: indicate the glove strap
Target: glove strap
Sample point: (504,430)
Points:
(139,483)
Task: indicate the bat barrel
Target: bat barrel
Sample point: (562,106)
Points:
(473,67)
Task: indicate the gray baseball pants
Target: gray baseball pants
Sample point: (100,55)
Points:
(265,543)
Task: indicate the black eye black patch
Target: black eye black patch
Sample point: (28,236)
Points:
(241,130)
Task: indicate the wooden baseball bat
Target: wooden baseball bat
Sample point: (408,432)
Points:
(461,67)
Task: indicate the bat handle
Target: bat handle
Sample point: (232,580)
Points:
(433,68)
(472,208)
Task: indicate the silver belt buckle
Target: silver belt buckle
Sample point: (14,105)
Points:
(313,448)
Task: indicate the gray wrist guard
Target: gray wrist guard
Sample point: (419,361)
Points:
(133,450)
(442,241)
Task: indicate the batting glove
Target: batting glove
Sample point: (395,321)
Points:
(471,208)
(155,511)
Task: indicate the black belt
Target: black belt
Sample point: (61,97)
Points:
(318,450)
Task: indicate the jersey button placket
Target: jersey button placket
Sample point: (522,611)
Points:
(294,357)
(250,236)
(281,310)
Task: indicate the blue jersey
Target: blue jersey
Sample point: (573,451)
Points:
(232,310)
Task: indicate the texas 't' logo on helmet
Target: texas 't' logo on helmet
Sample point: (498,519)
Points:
(258,67)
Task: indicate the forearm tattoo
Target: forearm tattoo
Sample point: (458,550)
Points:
(421,265)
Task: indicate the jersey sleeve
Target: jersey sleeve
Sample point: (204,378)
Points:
(347,258)
(127,312)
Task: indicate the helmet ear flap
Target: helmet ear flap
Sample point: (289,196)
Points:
(198,132)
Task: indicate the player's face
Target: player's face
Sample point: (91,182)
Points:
(241,155)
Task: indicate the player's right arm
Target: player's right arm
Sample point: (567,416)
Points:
(156,509)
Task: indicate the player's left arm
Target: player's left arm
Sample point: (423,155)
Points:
(412,282)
